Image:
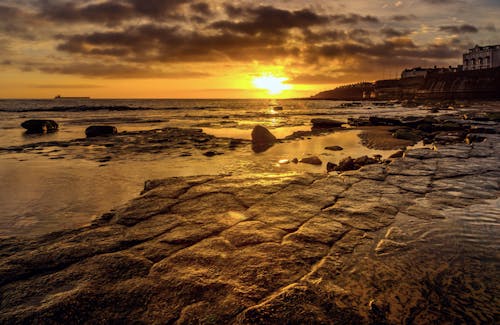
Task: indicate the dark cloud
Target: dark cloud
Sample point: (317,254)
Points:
(201,8)
(462,29)
(111,12)
(268,19)
(353,19)
(404,17)
(391,32)
(16,23)
(153,43)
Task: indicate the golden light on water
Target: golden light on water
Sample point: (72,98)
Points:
(274,85)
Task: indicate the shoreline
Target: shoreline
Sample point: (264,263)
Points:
(378,244)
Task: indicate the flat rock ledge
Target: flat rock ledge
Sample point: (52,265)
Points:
(263,248)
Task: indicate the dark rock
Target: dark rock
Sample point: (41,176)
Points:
(449,137)
(471,137)
(100,130)
(334,148)
(483,130)
(212,153)
(448,126)
(324,123)
(295,160)
(233,143)
(345,165)
(353,164)
(330,166)
(365,160)
(40,126)
(314,160)
(397,154)
(262,139)
(361,121)
(374,120)
(407,134)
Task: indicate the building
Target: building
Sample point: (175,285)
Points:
(415,72)
(482,57)
(423,72)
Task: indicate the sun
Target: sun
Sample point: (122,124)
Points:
(273,85)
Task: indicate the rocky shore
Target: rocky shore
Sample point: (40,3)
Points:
(373,245)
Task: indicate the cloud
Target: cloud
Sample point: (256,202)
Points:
(114,71)
(111,12)
(268,19)
(391,32)
(403,17)
(462,29)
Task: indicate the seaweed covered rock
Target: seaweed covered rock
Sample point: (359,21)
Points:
(40,126)
(100,131)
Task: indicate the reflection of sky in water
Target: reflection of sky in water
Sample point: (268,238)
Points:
(40,194)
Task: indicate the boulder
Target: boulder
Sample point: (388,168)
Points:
(40,126)
(100,130)
(262,139)
(345,165)
(334,148)
(324,123)
(314,160)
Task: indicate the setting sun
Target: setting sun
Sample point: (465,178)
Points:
(272,84)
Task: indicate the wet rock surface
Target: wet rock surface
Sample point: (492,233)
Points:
(125,145)
(265,248)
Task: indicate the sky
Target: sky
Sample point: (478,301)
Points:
(220,48)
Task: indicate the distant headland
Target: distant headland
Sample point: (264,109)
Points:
(477,78)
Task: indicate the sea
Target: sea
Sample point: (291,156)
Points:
(43,191)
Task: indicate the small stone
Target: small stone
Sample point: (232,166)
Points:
(314,160)
(100,130)
(295,160)
(397,154)
(334,148)
(212,153)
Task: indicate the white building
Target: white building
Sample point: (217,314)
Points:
(415,72)
(482,57)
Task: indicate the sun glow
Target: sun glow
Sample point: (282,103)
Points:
(273,85)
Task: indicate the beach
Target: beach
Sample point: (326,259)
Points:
(175,219)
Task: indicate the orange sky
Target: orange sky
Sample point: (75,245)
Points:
(216,48)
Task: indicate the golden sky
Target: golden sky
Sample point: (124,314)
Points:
(220,49)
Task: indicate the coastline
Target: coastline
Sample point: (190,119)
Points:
(360,246)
